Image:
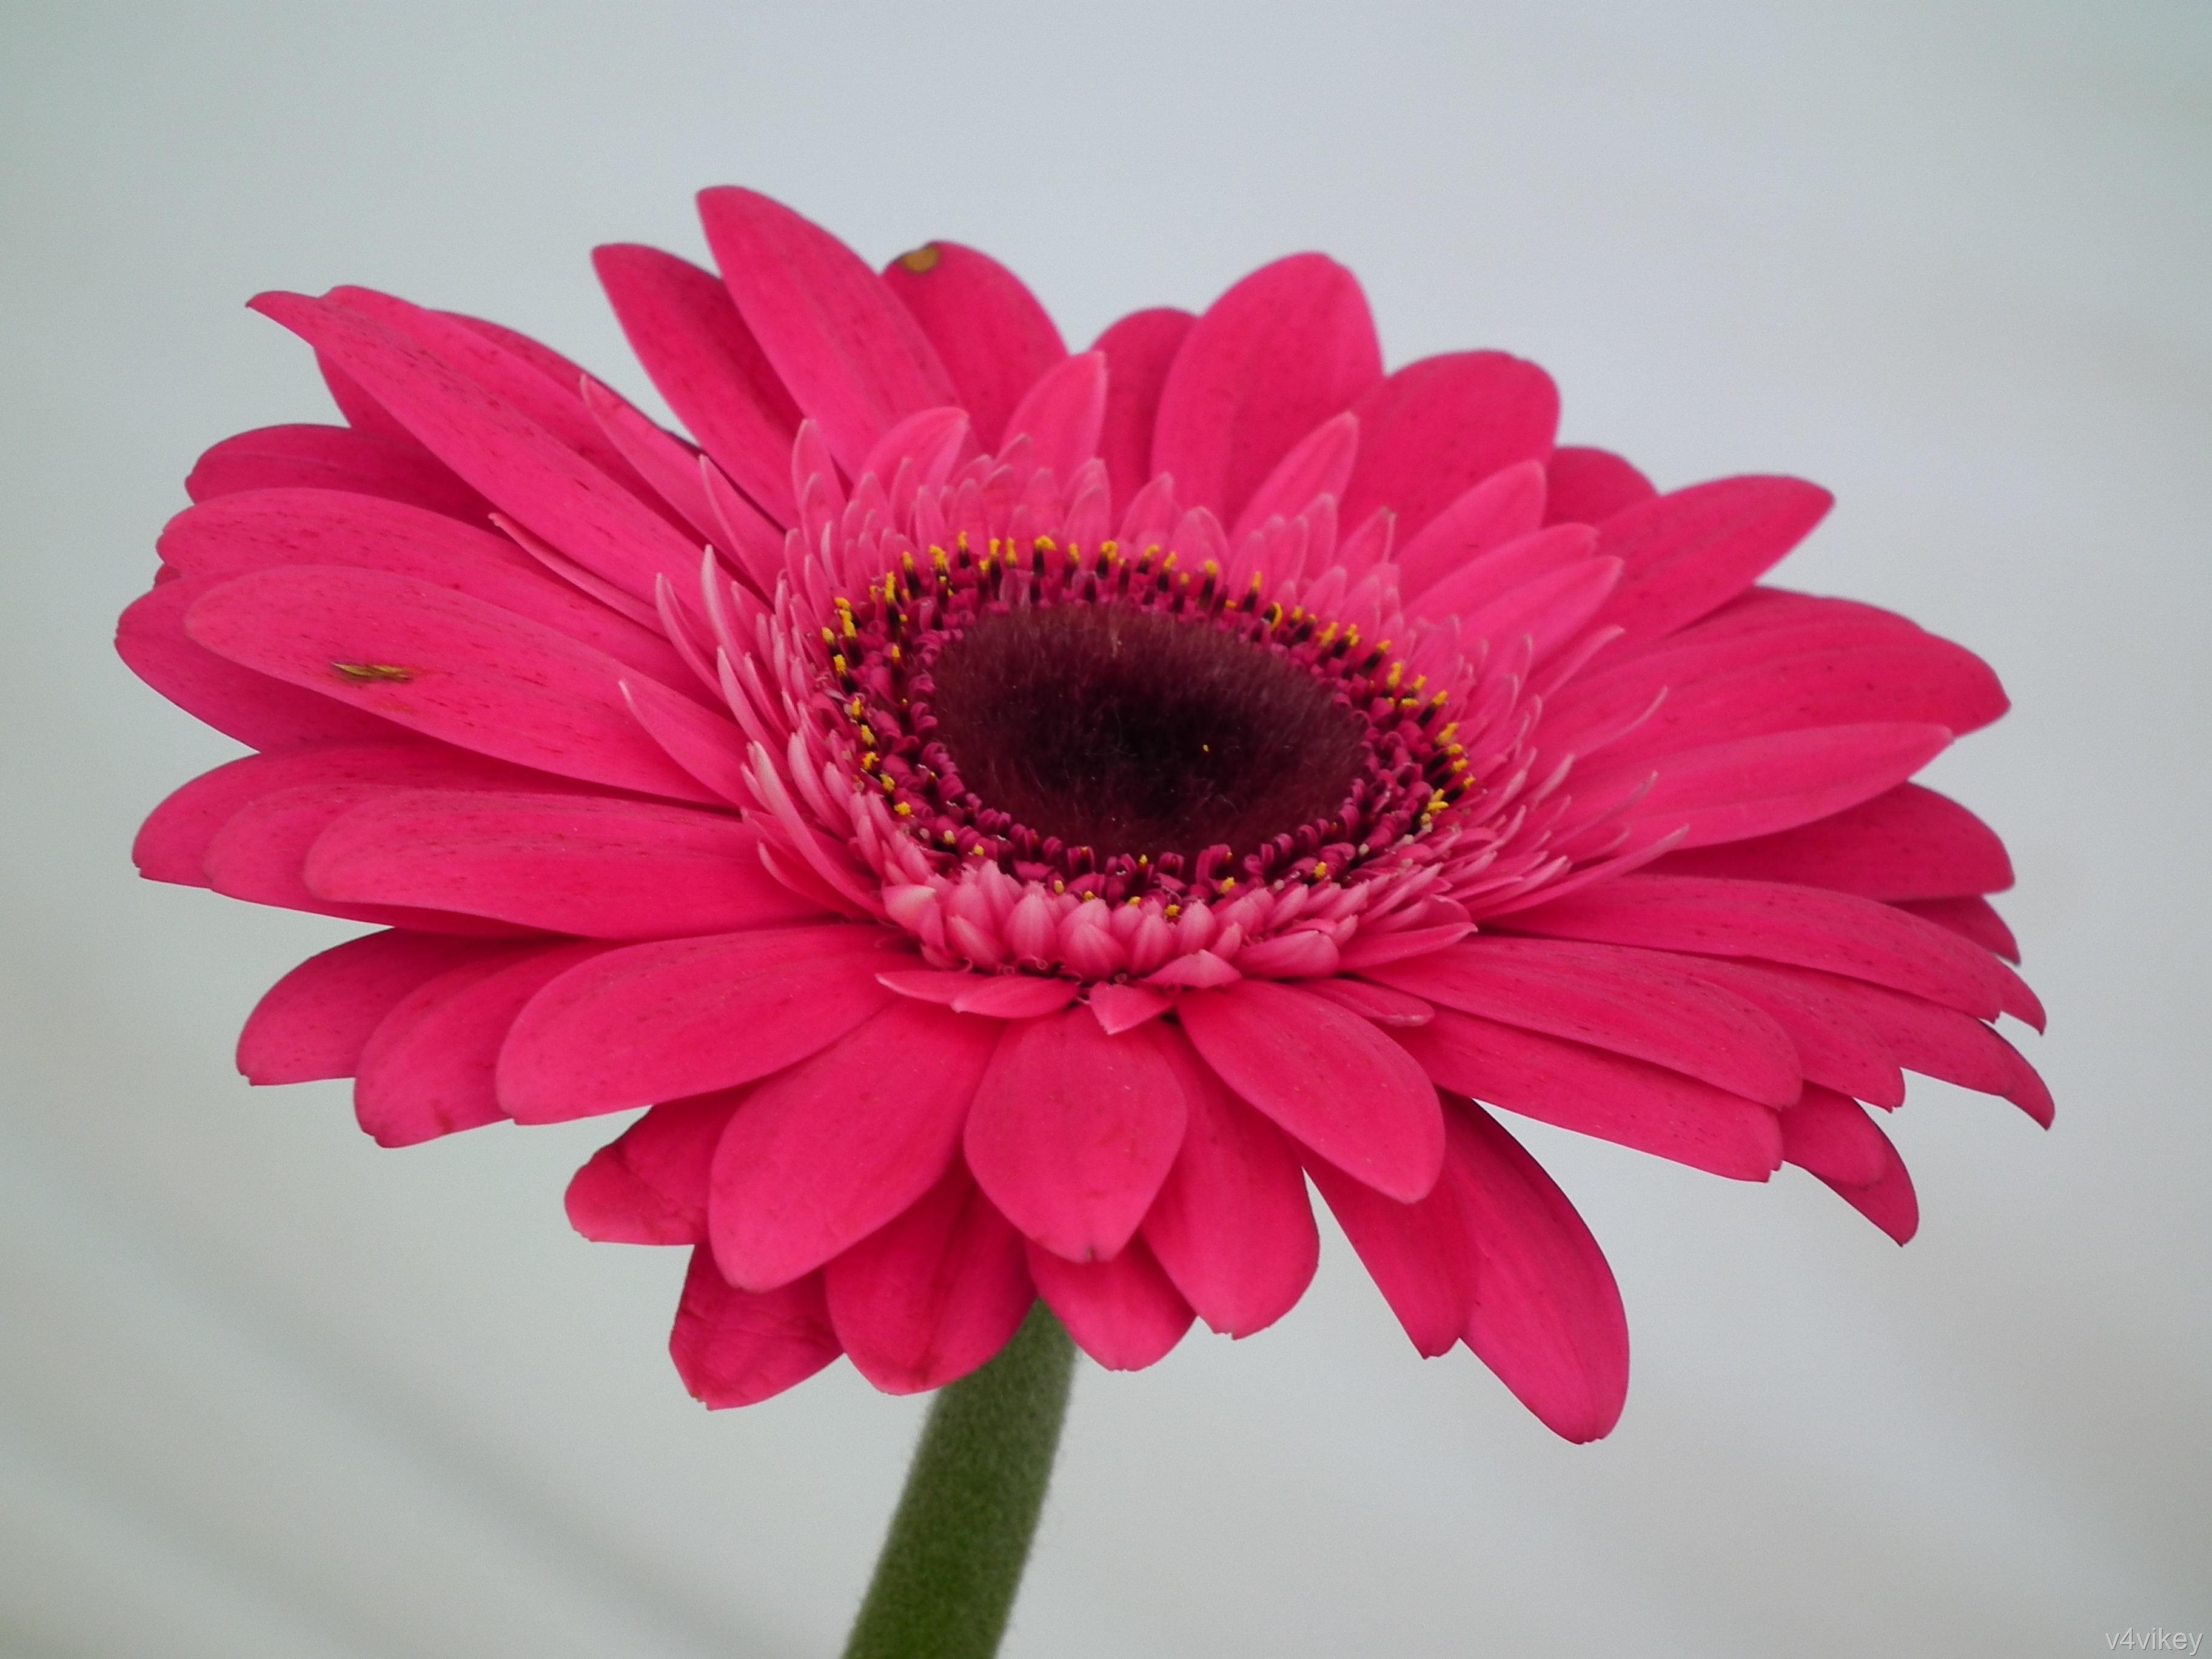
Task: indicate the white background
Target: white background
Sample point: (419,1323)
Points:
(269,1391)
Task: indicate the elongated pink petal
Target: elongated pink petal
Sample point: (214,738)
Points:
(172,845)
(1551,610)
(1139,350)
(240,533)
(1507,505)
(992,337)
(1486,577)
(734,1347)
(1064,414)
(314,1022)
(260,854)
(426,1069)
(822,1155)
(1889,1201)
(649,1184)
(1280,352)
(1013,996)
(707,746)
(518,466)
(1120,1008)
(1437,428)
(1376,1002)
(569,864)
(1232,1227)
(260,712)
(665,464)
(334,458)
(648,1022)
(1613,1002)
(1927,1038)
(1908,842)
(1837,1048)
(927,1299)
(853,357)
(1073,1131)
(554,400)
(1588,486)
(1327,1076)
(443,663)
(1760,786)
(1806,927)
(1631,1102)
(1420,1255)
(1830,1135)
(1970,918)
(701,356)
(1690,552)
(1320,464)
(1548,1318)
(1124,1313)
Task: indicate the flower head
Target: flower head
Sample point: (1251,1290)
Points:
(1012,817)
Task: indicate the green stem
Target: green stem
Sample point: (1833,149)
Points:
(953,1560)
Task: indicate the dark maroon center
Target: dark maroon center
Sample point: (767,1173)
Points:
(1133,733)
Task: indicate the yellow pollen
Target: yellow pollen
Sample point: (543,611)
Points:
(902,809)
(828,638)
(868,761)
(1320,871)
(1172,912)
(361,672)
(920,259)
(1228,884)
(1397,673)
(1058,886)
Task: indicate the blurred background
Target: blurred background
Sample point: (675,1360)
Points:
(265,1390)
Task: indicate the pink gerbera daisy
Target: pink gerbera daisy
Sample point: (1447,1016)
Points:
(1073,802)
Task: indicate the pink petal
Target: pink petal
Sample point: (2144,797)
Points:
(1807,927)
(1504,507)
(932,440)
(553,400)
(1836,1047)
(1484,577)
(927,1299)
(1830,1135)
(649,1184)
(426,1069)
(701,356)
(1120,1008)
(1376,1002)
(1588,486)
(1420,1255)
(733,1347)
(1932,1040)
(656,1022)
(443,663)
(1759,786)
(1889,1201)
(1970,918)
(1013,996)
(260,854)
(1063,415)
(333,457)
(853,357)
(569,864)
(1123,1313)
(1232,1227)
(1690,552)
(822,1155)
(1437,428)
(1139,350)
(1320,464)
(172,844)
(518,466)
(258,711)
(239,533)
(1548,1318)
(314,1022)
(992,337)
(1611,1001)
(1905,843)
(707,745)
(1595,1093)
(1550,611)
(1280,352)
(666,465)
(1073,1131)
(1327,1076)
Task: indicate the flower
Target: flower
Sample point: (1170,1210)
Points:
(1075,800)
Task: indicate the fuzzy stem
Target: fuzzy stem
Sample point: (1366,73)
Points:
(952,1560)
